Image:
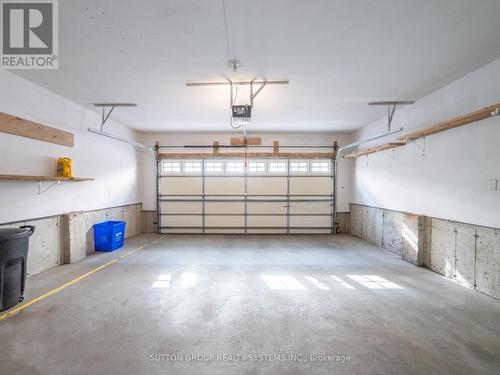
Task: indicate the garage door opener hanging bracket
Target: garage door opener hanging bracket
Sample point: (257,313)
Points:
(105,115)
(391,109)
(256,86)
(233,97)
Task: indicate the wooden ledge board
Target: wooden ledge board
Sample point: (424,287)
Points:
(469,118)
(372,150)
(251,141)
(207,155)
(29,129)
(42,178)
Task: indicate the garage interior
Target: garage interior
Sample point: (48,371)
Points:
(307,187)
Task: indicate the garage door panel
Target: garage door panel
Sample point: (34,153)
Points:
(224,221)
(221,198)
(266,231)
(302,208)
(310,185)
(181,231)
(224,231)
(310,221)
(266,221)
(181,221)
(267,185)
(310,231)
(237,208)
(181,207)
(225,186)
(180,186)
(266,208)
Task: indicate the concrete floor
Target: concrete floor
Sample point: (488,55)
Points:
(246,296)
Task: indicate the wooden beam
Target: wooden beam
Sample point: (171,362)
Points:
(216,148)
(42,178)
(479,115)
(251,141)
(29,129)
(372,150)
(307,155)
(276,148)
(290,155)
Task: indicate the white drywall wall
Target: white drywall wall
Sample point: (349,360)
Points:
(114,165)
(452,180)
(148,188)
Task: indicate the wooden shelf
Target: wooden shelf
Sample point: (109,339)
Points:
(25,128)
(469,118)
(482,114)
(42,178)
(372,150)
(289,155)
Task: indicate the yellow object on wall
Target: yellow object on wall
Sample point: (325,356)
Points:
(64,167)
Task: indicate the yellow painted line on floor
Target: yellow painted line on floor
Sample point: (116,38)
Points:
(74,281)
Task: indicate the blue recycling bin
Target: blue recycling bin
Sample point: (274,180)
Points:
(109,236)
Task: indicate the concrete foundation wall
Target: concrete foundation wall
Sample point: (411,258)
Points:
(148,223)
(69,238)
(466,253)
(343,222)
(45,243)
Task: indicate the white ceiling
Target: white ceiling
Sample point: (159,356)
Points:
(338,55)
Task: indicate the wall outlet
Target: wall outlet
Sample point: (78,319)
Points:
(493,184)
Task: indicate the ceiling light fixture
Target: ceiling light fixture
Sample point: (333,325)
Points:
(234,64)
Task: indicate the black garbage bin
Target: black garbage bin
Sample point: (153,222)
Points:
(13,260)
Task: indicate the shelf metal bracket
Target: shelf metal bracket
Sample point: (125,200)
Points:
(42,190)
(422,146)
(390,155)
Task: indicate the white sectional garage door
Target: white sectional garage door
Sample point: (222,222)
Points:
(246,196)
